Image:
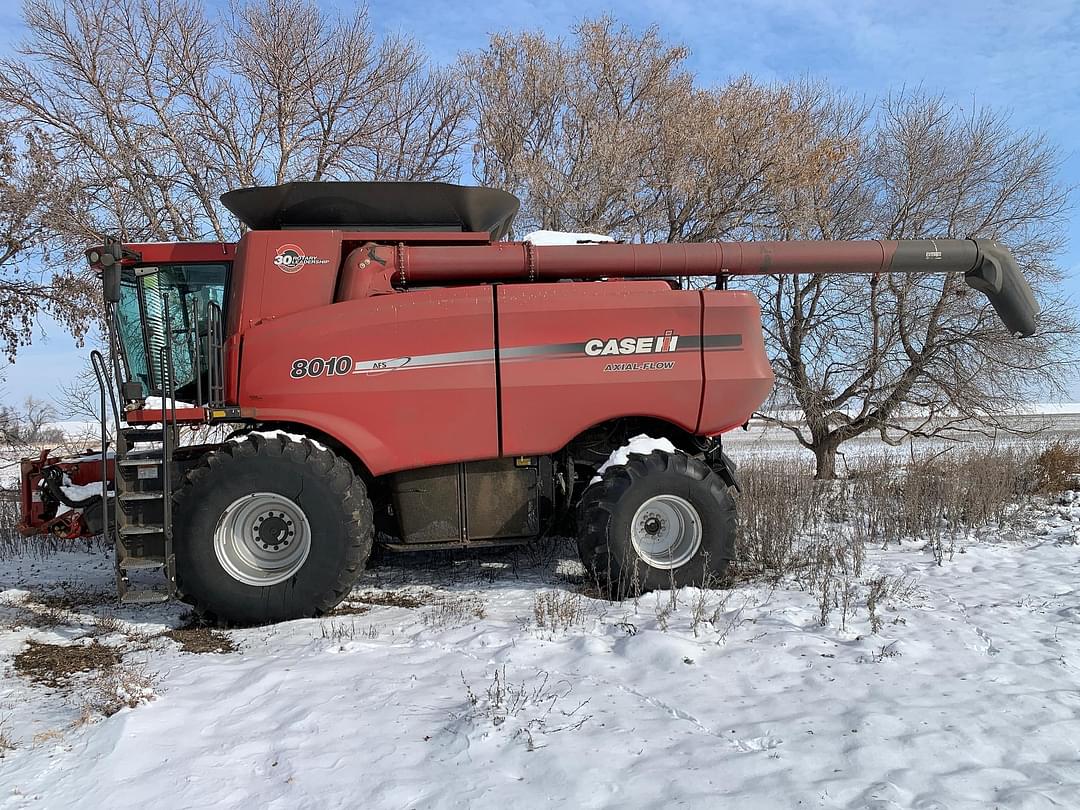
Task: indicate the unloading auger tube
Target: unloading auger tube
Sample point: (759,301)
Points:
(987,266)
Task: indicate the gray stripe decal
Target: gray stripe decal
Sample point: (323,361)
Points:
(723,341)
(424,361)
(712,342)
(522,352)
(686,344)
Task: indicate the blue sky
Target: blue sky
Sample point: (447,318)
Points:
(1024,58)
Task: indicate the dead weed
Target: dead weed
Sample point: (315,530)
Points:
(201,640)
(53,664)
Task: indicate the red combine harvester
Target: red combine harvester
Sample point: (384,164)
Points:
(393,369)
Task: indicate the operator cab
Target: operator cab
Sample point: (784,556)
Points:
(164,312)
(177,305)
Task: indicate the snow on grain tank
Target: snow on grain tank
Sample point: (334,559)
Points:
(396,368)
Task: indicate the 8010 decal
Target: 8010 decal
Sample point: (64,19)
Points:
(319,367)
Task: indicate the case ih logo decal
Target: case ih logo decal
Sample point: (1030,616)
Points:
(290,258)
(600,347)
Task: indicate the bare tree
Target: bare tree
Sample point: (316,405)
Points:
(608,132)
(131,117)
(908,356)
(33,197)
(155,107)
(569,126)
(29,424)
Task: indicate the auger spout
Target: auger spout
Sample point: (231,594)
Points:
(987,266)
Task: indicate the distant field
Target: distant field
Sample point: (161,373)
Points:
(1052,422)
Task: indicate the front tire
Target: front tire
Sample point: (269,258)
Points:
(269,529)
(661,520)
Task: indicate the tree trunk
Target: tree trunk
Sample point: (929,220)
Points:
(825,456)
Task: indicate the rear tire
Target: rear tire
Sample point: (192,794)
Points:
(269,529)
(661,520)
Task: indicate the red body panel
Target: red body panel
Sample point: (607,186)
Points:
(737,378)
(150,416)
(432,400)
(284,272)
(183,252)
(552,390)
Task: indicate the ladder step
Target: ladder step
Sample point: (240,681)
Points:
(141,496)
(126,531)
(147,434)
(140,462)
(144,597)
(141,563)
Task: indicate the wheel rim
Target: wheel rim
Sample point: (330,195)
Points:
(666,531)
(262,538)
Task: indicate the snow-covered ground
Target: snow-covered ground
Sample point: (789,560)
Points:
(497,680)
(458,681)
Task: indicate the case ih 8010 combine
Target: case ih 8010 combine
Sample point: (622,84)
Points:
(399,371)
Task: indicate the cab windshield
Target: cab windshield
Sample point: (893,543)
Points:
(168,305)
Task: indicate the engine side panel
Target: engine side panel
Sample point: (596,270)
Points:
(477,502)
(573,355)
(412,383)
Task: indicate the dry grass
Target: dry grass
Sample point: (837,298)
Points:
(108,624)
(118,687)
(883,653)
(53,665)
(454,609)
(45,737)
(340,632)
(791,524)
(201,640)
(73,596)
(539,708)
(1058,467)
(43,617)
(349,608)
(816,532)
(559,611)
(9,517)
(401,599)
(7,742)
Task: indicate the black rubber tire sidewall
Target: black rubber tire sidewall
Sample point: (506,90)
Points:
(607,512)
(320,483)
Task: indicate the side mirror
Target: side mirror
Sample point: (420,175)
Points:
(110,270)
(110,280)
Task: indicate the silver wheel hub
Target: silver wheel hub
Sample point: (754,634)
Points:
(262,538)
(666,532)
